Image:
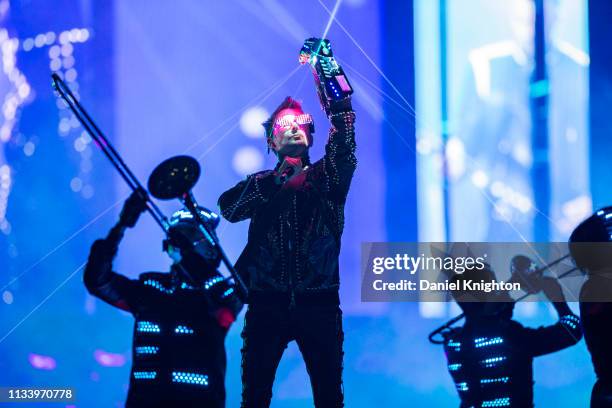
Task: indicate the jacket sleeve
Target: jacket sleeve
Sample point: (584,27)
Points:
(549,339)
(100,280)
(339,162)
(228,308)
(241,201)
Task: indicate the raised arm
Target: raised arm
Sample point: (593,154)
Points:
(340,159)
(99,278)
(334,92)
(565,333)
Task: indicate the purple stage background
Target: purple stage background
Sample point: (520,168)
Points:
(198,78)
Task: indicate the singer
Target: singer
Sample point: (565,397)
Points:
(290,263)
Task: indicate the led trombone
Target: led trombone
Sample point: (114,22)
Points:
(520,264)
(173,178)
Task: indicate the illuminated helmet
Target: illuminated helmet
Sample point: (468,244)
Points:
(589,242)
(183,223)
(184,216)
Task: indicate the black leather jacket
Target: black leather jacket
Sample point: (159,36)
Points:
(295,230)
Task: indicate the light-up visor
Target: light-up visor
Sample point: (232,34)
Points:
(288,120)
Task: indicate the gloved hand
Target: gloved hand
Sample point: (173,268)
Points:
(135,205)
(314,47)
(330,79)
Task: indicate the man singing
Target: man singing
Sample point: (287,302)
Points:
(290,262)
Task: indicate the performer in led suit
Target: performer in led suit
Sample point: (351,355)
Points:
(591,249)
(182,317)
(490,358)
(290,262)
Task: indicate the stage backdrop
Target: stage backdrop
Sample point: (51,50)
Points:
(198,78)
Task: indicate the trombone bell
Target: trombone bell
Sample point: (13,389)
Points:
(174,177)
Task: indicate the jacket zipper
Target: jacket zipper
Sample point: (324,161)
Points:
(291,288)
(291,262)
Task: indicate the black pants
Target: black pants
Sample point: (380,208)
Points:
(268,329)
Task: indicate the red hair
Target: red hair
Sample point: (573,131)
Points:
(287,103)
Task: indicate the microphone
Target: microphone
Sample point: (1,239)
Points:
(287,173)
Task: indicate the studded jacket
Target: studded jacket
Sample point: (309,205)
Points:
(295,229)
(178,349)
(490,361)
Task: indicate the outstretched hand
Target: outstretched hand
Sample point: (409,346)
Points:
(312,47)
(135,205)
